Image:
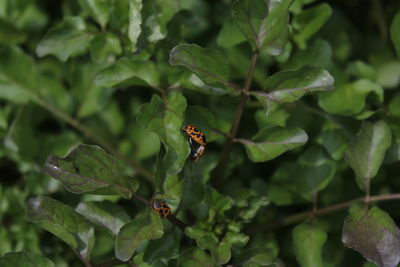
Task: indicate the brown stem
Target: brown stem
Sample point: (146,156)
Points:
(322,211)
(89,134)
(219,171)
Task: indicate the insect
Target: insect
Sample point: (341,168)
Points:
(195,134)
(162,208)
(197,153)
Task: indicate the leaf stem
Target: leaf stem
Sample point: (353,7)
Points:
(89,134)
(326,210)
(219,171)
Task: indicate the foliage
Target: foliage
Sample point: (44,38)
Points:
(297,99)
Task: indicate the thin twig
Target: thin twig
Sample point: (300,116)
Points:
(219,171)
(322,211)
(89,134)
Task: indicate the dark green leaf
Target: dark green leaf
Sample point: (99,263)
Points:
(98,9)
(334,140)
(208,64)
(103,46)
(366,153)
(135,21)
(24,258)
(132,234)
(260,257)
(308,240)
(195,257)
(395,32)
(9,34)
(269,143)
(394,106)
(106,214)
(62,221)
(309,21)
(290,86)
(349,99)
(67,39)
(265,24)
(166,247)
(230,35)
(89,168)
(165,118)
(372,233)
(127,72)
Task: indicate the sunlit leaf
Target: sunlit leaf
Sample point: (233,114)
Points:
(24,258)
(264,23)
(104,45)
(106,214)
(366,152)
(289,86)
(372,233)
(88,168)
(135,21)
(98,9)
(269,143)
(62,221)
(132,234)
(308,240)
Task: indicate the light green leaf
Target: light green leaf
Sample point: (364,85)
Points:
(127,72)
(394,106)
(395,32)
(349,99)
(366,152)
(309,21)
(269,143)
(265,24)
(135,21)
(208,64)
(308,240)
(69,38)
(106,214)
(388,74)
(25,258)
(132,234)
(62,221)
(88,168)
(103,46)
(165,118)
(98,9)
(195,257)
(290,86)
(372,233)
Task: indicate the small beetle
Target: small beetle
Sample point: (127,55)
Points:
(195,134)
(197,153)
(162,208)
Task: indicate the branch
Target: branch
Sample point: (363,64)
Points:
(303,215)
(89,134)
(219,171)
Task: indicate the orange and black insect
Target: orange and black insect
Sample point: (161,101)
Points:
(195,134)
(197,153)
(162,208)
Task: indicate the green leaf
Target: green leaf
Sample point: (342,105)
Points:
(127,72)
(269,143)
(104,45)
(165,118)
(388,74)
(9,34)
(308,240)
(195,257)
(135,21)
(24,258)
(290,86)
(208,64)
(372,233)
(334,140)
(349,99)
(367,151)
(394,106)
(265,24)
(309,21)
(98,9)
(230,35)
(134,233)
(62,221)
(260,257)
(361,70)
(166,247)
(69,38)
(395,32)
(88,168)
(106,214)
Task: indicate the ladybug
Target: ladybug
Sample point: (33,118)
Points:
(197,153)
(195,134)
(162,208)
